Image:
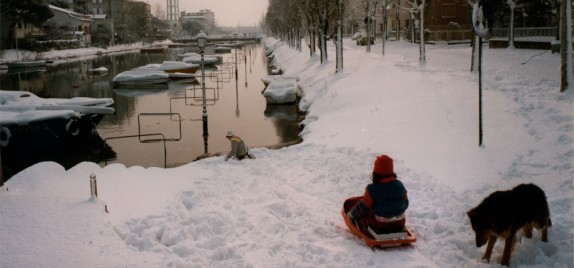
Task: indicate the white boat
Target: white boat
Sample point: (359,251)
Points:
(171,67)
(98,71)
(222,49)
(268,78)
(282,91)
(140,77)
(181,76)
(28,121)
(208,60)
(25,64)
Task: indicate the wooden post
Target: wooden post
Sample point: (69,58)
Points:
(93,186)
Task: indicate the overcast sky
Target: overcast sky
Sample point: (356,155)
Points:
(227,12)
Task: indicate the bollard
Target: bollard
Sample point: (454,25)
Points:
(93,186)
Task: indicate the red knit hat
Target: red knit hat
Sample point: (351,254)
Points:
(383,165)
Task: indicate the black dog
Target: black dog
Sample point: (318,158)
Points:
(503,213)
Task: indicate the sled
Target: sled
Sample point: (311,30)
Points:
(372,239)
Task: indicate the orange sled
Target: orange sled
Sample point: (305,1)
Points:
(371,238)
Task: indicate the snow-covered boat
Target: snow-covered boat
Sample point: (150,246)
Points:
(208,60)
(181,76)
(140,77)
(222,49)
(25,64)
(98,71)
(268,78)
(237,44)
(28,121)
(282,91)
(152,50)
(171,67)
(175,45)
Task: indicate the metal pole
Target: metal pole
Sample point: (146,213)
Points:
(236,46)
(204,115)
(480,91)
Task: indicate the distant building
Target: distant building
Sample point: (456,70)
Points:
(127,20)
(77,26)
(206,17)
(173,16)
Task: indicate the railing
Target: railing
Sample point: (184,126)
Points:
(453,35)
(523,32)
(161,139)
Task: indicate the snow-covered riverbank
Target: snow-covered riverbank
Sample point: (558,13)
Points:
(283,208)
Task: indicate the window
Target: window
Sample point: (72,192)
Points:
(448,11)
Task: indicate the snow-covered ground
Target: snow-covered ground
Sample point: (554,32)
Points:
(283,209)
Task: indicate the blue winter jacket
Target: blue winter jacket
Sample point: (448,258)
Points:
(388,198)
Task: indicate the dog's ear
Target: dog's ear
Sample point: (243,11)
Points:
(471,213)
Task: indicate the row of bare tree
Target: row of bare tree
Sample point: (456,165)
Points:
(321,20)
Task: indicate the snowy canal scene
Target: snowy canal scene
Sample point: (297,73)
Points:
(414,150)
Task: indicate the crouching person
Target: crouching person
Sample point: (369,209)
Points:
(238,148)
(385,201)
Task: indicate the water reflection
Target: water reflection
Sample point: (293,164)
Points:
(66,152)
(233,102)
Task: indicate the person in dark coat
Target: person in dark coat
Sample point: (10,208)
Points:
(385,201)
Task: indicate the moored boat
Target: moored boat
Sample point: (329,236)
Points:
(152,50)
(282,91)
(30,122)
(171,67)
(181,76)
(25,64)
(98,71)
(208,60)
(222,49)
(140,77)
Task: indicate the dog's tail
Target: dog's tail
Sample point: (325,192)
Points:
(549,222)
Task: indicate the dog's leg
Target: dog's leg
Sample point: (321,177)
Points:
(527,230)
(545,233)
(489,246)
(508,245)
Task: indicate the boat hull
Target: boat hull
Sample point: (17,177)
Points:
(25,64)
(46,134)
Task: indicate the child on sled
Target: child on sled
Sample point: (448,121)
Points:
(383,206)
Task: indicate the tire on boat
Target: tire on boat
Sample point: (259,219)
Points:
(73,127)
(5,136)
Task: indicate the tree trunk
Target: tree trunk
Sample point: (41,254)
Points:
(566,44)
(473,54)
(422,57)
(339,39)
(323,34)
(511,28)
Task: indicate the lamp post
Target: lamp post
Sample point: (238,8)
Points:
(201,38)
(235,45)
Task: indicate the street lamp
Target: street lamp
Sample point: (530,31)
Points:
(236,46)
(201,38)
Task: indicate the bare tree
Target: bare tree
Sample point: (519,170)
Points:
(339,42)
(159,11)
(566,67)
(414,7)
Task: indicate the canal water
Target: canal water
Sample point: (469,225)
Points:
(161,127)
